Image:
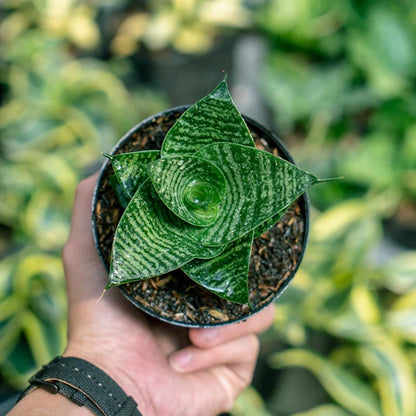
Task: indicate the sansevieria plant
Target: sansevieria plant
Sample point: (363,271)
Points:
(198,203)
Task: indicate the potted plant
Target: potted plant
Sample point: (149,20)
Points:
(198,214)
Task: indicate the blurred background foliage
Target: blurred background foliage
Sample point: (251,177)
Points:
(336,80)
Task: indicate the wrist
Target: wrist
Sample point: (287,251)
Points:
(112,364)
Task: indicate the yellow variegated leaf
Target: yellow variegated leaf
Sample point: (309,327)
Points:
(399,274)
(395,377)
(335,221)
(250,403)
(38,338)
(344,387)
(325,410)
(9,336)
(359,239)
(401,318)
(9,306)
(365,304)
(348,326)
(32,266)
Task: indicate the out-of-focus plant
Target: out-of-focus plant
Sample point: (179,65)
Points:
(60,107)
(190,26)
(344,72)
(32,313)
(363,308)
(339,76)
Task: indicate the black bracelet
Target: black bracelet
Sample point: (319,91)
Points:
(84,384)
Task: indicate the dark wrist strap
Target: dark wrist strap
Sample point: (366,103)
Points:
(84,384)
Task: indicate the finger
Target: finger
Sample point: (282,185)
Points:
(238,351)
(79,255)
(81,212)
(208,337)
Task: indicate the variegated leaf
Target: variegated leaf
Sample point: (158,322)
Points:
(259,186)
(213,119)
(344,387)
(191,187)
(225,274)
(130,169)
(150,241)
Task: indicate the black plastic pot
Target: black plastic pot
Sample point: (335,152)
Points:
(174,298)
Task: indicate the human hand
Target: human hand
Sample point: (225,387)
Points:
(168,370)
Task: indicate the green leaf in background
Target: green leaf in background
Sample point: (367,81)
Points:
(365,304)
(394,374)
(250,403)
(399,273)
(344,387)
(377,150)
(383,49)
(325,410)
(32,311)
(401,318)
(297,89)
(195,130)
(150,241)
(191,187)
(130,169)
(225,274)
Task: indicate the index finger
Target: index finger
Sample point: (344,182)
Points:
(207,337)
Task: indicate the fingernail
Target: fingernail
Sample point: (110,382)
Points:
(181,359)
(210,334)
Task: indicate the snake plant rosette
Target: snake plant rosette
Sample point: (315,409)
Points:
(185,205)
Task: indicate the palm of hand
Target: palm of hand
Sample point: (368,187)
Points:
(137,351)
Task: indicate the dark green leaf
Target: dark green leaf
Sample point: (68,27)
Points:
(259,186)
(262,228)
(149,240)
(213,119)
(190,187)
(120,191)
(130,169)
(226,274)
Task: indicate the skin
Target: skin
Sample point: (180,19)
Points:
(169,371)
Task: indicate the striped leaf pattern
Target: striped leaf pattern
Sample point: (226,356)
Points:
(131,169)
(210,192)
(190,187)
(213,119)
(259,185)
(149,240)
(226,274)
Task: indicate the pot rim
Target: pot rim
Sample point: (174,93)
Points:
(268,134)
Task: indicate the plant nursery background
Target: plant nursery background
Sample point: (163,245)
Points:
(336,80)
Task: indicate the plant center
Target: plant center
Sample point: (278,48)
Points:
(200,195)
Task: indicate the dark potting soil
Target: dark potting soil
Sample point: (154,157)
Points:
(173,296)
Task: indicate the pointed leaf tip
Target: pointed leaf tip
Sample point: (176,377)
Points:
(337,178)
(107,155)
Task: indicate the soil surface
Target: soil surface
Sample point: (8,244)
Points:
(174,297)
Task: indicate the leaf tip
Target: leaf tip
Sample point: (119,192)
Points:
(338,178)
(102,294)
(107,155)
